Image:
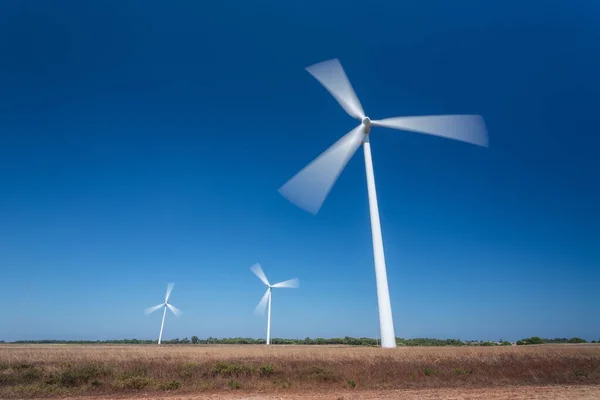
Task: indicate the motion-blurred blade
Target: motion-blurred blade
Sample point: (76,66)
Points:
(331,75)
(262,304)
(466,128)
(291,283)
(174,309)
(169,290)
(259,272)
(150,310)
(309,187)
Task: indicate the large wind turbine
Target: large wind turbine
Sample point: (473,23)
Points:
(309,187)
(165,305)
(260,308)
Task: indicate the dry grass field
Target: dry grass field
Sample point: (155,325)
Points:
(43,371)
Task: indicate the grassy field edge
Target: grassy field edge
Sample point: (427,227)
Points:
(31,371)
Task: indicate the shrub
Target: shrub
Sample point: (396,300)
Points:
(75,376)
(172,385)
(321,374)
(188,370)
(462,371)
(30,375)
(282,383)
(233,384)
(266,370)
(138,371)
(68,379)
(135,383)
(225,369)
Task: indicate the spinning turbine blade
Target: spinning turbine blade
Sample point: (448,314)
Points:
(174,310)
(259,272)
(150,310)
(291,283)
(331,75)
(262,304)
(466,128)
(309,187)
(169,290)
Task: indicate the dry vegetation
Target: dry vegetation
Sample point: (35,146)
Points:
(57,370)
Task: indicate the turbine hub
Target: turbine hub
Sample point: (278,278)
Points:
(367,123)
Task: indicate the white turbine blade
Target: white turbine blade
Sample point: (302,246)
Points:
(291,283)
(174,309)
(150,310)
(259,272)
(169,290)
(466,128)
(262,304)
(331,75)
(309,187)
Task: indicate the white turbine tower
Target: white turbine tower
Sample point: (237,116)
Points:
(309,187)
(260,308)
(166,305)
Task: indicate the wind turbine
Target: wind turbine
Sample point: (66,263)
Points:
(166,305)
(260,308)
(309,187)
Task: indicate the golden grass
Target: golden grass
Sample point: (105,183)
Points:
(56,370)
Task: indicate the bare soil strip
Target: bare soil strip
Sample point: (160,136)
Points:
(516,393)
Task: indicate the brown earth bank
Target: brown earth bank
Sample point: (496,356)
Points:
(294,372)
(512,393)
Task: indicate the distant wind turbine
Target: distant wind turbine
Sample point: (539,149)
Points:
(166,305)
(309,187)
(260,308)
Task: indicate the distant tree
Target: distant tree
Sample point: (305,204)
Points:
(557,340)
(577,340)
(593,341)
(195,339)
(535,340)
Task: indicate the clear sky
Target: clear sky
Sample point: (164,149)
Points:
(143,142)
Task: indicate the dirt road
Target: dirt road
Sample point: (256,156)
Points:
(512,393)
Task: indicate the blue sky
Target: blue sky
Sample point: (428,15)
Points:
(143,142)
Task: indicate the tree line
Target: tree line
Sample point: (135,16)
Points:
(351,341)
(539,340)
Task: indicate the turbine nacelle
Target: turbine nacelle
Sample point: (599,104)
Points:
(367,123)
